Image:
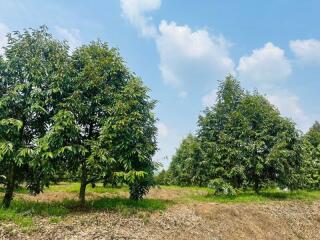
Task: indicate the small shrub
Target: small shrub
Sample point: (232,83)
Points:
(221,187)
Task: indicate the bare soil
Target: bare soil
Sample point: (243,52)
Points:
(213,221)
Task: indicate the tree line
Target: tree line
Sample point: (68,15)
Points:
(82,115)
(242,142)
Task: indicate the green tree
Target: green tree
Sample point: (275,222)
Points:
(129,137)
(270,144)
(222,150)
(311,167)
(244,142)
(162,178)
(31,76)
(186,167)
(97,74)
(313,135)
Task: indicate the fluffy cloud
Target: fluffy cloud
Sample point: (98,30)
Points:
(191,57)
(3,36)
(163,130)
(289,106)
(186,57)
(307,51)
(265,66)
(135,11)
(71,35)
(210,99)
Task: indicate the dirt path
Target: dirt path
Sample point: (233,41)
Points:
(212,221)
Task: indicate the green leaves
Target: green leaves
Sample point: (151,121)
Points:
(84,115)
(11,121)
(187,166)
(242,142)
(6,147)
(129,135)
(311,154)
(34,63)
(104,124)
(130,177)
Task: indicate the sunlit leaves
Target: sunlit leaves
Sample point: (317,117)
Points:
(34,63)
(243,141)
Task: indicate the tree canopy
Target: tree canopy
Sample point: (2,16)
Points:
(31,74)
(242,142)
(83,115)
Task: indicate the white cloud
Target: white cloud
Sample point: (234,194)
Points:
(289,106)
(183,94)
(265,66)
(187,57)
(163,130)
(191,57)
(210,99)
(3,36)
(71,35)
(307,51)
(135,11)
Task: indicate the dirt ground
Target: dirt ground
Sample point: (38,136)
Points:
(195,220)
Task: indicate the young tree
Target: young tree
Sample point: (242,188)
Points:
(129,137)
(31,75)
(162,178)
(186,167)
(222,152)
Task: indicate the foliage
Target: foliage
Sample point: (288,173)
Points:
(105,125)
(31,77)
(218,135)
(129,136)
(270,144)
(221,187)
(162,178)
(186,167)
(84,115)
(313,135)
(311,155)
(242,142)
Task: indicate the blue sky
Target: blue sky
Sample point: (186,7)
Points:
(181,48)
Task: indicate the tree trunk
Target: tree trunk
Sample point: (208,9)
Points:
(82,194)
(9,188)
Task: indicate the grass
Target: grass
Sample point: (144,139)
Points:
(264,196)
(10,215)
(23,212)
(74,188)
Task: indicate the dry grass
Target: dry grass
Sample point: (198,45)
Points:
(168,212)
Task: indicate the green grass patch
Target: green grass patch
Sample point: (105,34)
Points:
(73,187)
(10,215)
(191,188)
(22,212)
(55,219)
(264,196)
(19,189)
